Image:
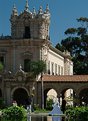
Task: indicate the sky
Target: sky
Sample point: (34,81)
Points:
(63,14)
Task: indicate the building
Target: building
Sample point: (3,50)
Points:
(29,41)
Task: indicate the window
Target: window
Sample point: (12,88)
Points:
(26,65)
(27,32)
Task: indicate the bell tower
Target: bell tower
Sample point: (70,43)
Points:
(30,25)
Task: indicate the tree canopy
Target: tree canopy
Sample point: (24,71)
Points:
(36,67)
(76,43)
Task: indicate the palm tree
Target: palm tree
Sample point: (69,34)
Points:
(36,68)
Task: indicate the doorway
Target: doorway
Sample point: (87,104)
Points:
(20,96)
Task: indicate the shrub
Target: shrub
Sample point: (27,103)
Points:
(13,113)
(2,105)
(77,114)
(36,107)
(49,104)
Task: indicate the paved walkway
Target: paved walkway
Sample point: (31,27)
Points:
(42,114)
(38,114)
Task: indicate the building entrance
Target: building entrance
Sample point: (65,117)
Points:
(20,96)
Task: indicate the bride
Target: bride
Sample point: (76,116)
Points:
(56,108)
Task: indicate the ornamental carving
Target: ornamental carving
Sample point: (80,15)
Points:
(20,75)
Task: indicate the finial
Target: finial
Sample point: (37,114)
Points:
(34,12)
(14,10)
(47,8)
(26,6)
(14,7)
(40,10)
(20,67)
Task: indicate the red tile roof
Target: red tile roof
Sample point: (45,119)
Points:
(65,78)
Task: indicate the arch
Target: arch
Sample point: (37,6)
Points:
(59,88)
(65,87)
(83,97)
(62,87)
(82,88)
(50,86)
(20,95)
(70,96)
(51,93)
(45,94)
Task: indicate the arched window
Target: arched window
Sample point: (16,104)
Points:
(27,65)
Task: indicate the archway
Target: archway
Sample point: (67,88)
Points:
(67,98)
(20,96)
(70,96)
(69,93)
(49,93)
(83,97)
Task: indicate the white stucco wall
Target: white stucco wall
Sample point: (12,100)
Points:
(68,67)
(56,60)
(71,68)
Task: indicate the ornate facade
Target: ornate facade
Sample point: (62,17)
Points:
(29,41)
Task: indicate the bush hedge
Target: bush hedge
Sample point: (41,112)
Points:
(13,113)
(77,114)
(2,105)
(49,104)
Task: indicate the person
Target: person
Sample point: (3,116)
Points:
(29,100)
(56,108)
(14,103)
(63,105)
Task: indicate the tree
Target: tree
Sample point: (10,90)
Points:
(60,47)
(36,67)
(77,44)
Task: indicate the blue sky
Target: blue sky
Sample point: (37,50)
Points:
(63,14)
